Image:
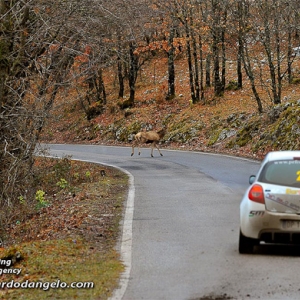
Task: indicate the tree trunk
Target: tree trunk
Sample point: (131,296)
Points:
(239,65)
(240,14)
(120,78)
(289,57)
(201,70)
(100,87)
(132,73)
(171,66)
(207,70)
(248,70)
(223,61)
(272,69)
(190,64)
(215,31)
(217,81)
(196,64)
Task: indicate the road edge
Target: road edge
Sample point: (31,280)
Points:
(126,239)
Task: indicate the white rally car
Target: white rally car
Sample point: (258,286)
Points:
(270,208)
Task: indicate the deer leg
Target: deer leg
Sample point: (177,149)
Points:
(158,149)
(135,144)
(139,146)
(152,149)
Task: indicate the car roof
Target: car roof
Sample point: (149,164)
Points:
(285,154)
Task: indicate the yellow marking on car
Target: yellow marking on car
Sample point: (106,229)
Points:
(292,192)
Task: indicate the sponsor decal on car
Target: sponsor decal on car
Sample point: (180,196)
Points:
(292,192)
(282,202)
(298,176)
(256,213)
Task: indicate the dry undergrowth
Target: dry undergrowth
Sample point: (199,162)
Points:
(72,238)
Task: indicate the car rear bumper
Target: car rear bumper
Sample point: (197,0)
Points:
(280,237)
(271,227)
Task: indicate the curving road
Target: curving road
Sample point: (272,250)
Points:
(180,236)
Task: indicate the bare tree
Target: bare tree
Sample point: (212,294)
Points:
(128,34)
(267,42)
(171,61)
(38,44)
(291,24)
(168,37)
(184,11)
(246,40)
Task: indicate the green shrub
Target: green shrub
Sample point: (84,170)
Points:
(40,197)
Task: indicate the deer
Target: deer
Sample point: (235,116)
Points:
(152,137)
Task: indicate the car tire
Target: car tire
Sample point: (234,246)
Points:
(246,245)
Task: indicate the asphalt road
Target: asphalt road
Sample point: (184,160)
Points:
(181,228)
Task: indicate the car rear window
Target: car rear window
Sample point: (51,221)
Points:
(282,172)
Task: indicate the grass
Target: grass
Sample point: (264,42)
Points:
(65,261)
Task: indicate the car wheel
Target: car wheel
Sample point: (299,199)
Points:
(246,245)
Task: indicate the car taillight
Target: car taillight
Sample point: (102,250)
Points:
(256,194)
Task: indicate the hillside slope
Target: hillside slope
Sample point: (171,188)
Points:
(230,124)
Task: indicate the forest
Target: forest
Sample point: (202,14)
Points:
(49,48)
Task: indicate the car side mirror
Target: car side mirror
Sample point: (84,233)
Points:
(252,179)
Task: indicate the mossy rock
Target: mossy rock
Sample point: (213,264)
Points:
(123,132)
(134,127)
(284,131)
(177,132)
(245,135)
(214,136)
